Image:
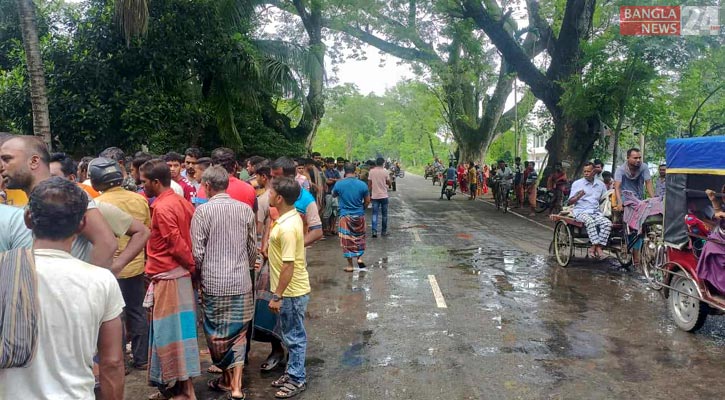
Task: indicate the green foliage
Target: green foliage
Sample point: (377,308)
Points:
(196,78)
(400,125)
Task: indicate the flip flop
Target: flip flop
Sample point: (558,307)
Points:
(361,265)
(271,362)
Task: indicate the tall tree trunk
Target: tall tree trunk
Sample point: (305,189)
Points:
(36,72)
(571,143)
(315,107)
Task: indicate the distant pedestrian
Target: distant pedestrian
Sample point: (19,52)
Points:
(224,241)
(174,353)
(353,197)
(378,182)
(661,182)
(77,311)
(472,180)
(175,161)
(290,283)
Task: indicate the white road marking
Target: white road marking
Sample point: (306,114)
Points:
(416,235)
(440,301)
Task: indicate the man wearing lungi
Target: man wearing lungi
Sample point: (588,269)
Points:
(174,353)
(224,238)
(353,198)
(585,195)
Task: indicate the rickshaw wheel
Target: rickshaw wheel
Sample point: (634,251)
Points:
(650,257)
(688,312)
(623,255)
(563,244)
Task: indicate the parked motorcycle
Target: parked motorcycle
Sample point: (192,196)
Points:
(545,198)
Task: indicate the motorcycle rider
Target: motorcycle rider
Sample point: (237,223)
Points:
(451,175)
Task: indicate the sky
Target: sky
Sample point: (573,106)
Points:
(368,75)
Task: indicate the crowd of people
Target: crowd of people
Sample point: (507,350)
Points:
(112,251)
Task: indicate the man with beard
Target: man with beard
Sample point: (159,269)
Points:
(25,162)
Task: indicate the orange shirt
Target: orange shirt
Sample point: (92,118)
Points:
(170,243)
(89,189)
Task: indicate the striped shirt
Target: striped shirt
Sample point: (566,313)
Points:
(224,242)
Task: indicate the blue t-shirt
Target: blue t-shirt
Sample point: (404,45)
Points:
(13,232)
(351,193)
(303,201)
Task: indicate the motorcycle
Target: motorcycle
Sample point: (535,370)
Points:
(438,178)
(429,172)
(545,198)
(450,190)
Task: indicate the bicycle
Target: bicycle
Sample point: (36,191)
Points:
(503,192)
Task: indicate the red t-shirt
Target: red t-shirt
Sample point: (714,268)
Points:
(238,190)
(189,189)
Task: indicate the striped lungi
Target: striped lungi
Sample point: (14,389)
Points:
(174,352)
(352,235)
(226,320)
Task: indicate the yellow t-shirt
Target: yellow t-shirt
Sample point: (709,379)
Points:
(287,243)
(135,205)
(16,198)
(472,176)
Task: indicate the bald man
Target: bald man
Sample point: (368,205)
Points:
(24,163)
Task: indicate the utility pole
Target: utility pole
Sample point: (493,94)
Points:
(516,120)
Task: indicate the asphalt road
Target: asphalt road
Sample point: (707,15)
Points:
(508,323)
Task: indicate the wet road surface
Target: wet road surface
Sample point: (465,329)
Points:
(508,324)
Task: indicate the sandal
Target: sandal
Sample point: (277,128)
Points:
(361,265)
(272,361)
(290,389)
(229,396)
(214,385)
(281,381)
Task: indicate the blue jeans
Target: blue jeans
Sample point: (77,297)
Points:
(382,205)
(292,322)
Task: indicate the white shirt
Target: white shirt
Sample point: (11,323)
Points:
(593,192)
(75,299)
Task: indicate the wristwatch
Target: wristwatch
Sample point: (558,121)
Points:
(275,297)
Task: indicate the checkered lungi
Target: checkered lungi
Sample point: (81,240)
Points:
(598,226)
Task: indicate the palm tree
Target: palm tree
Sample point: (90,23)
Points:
(38,92)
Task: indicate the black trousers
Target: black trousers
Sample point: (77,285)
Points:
(134,317)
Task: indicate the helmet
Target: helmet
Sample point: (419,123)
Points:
(104,173)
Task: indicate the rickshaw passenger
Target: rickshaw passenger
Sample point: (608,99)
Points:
(711,264)
(585,195)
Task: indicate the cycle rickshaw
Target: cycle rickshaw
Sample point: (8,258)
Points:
(693,165)
(570,234)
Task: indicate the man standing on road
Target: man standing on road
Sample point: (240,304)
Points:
(290,283)
(530,178)
(191,155)
(378,182)
(472,180)
(329,216)
(353,197)
(586,193)
(519,182)
(661,184)
(66,341)
(106,177)
(224,241)
(174,352)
